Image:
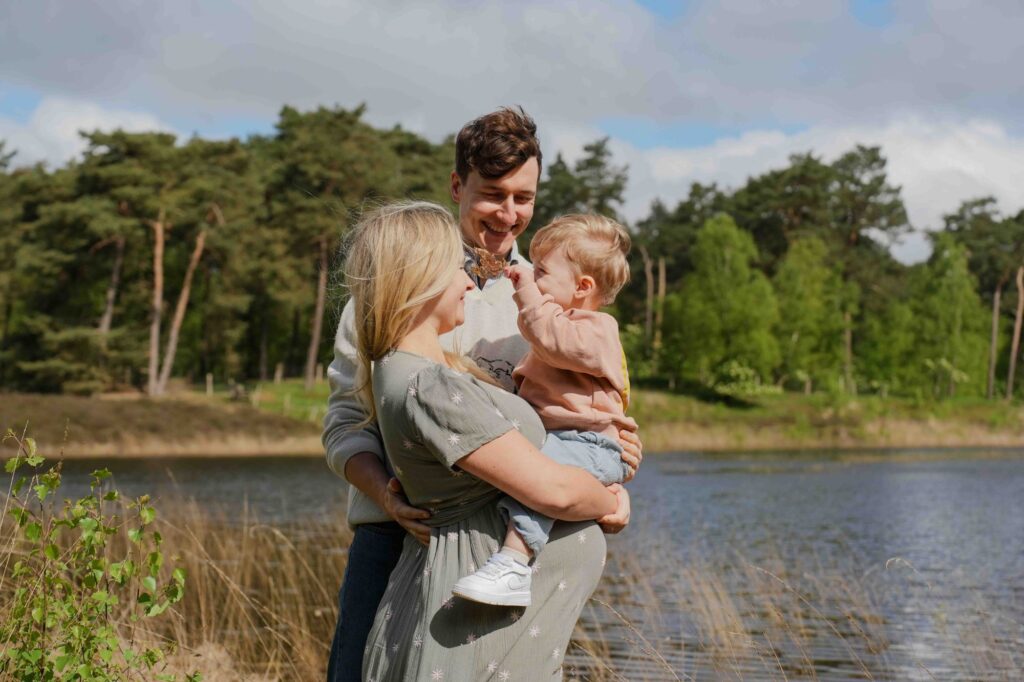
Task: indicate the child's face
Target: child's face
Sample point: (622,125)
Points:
(556,276)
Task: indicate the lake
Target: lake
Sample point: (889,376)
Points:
(834,566)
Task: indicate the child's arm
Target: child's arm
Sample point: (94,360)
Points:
(588,343)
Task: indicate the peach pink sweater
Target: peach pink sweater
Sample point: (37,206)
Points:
(575,372)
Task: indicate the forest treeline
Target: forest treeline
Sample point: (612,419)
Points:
(152,258)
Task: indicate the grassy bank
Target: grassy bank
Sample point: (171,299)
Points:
(185,424)
(284,419)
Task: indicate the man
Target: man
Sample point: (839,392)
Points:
(497,169)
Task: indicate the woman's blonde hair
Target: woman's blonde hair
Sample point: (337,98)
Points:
(398,257)
(596,245)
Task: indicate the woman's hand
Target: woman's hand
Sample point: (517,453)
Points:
(619,519)
(398,508)
(632,452)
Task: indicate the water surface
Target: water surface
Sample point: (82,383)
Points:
(883,565)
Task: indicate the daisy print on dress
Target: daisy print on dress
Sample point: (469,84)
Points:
(492,666)
(534,631)
(436,674)
(504,676)
(453,439)
(457,398)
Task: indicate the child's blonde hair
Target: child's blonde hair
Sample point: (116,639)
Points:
(398,257)
(596,245)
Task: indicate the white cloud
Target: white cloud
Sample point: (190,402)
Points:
(51,134)
(724,62)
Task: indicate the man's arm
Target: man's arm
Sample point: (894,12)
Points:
(344,410)
(357,455)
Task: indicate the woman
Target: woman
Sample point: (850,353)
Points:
(457,443)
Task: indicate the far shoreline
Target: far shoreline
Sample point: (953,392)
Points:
(190,424)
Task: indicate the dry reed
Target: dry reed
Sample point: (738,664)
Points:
(260,605)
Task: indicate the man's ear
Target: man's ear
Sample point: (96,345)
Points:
(455,187)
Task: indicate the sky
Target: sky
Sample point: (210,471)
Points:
(687,90)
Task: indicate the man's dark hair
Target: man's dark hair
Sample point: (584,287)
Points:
(496,143)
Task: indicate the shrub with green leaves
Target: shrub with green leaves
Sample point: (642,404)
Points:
(79,579)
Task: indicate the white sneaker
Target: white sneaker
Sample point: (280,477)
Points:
(502,581)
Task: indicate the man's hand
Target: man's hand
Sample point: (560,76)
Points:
(405,514)
(519,274)
(619,519)
(632,452)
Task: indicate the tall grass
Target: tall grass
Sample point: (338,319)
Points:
(260,604)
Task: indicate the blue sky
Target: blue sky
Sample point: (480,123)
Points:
(694,90)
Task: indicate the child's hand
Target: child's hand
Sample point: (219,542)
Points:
(519,274)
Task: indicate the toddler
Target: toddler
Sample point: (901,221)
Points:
(574,375)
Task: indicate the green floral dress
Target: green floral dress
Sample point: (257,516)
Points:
(430,417)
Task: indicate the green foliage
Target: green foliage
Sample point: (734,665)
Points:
(77,263)
(810,314)
(728,308)
(734,378)
(952,338)
(80,572)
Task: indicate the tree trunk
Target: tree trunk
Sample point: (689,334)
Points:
(1015,344)
(659,311)
(152,383)
(318,316)
(851,387)
(8,311)
(179,312)
(990,387)
(649,308)
(264,343)
(115,284)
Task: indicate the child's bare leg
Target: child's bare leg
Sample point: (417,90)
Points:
(515,547)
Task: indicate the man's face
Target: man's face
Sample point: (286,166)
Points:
(492,213)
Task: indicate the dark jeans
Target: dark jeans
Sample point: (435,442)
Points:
(372,556)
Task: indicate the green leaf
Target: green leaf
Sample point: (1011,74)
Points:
(155,560)
(149,582)
(33,531)
(147,514)
(179,575)
(157,608)
(41,491)
(135,535)
(11,465)
(52,552)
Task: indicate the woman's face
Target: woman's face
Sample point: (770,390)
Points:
(449,308)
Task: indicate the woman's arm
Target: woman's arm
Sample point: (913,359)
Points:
(513,465)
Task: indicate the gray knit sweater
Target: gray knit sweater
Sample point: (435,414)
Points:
(490,336)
